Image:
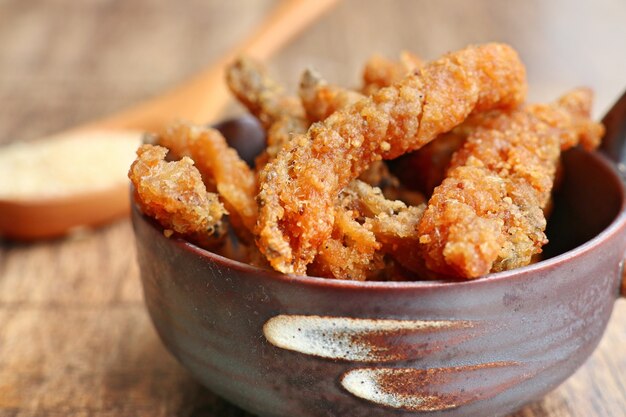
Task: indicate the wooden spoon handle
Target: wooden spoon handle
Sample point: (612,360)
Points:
(200,99)
(623,286)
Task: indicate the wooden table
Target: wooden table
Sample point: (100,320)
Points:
(75,339)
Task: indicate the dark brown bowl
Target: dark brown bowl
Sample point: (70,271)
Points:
(281,345)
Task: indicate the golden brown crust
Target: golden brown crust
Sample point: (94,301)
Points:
(298,189)
(321,99)
(259,93)
(307,211)
(380,72)
(221,165)
(393,223)
(173,193)
(351,253)
(487,215)
(280,114)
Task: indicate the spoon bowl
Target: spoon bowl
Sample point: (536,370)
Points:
(34,215)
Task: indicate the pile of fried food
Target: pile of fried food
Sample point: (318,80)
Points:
(478,168)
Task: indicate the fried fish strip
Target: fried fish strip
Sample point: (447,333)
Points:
(281,115)
(380,72)
(423,169)
(393,223)
(487,215)
(351,250)
(321,99)
(173,193)
(299,187)
(351,253)
(367,226)
(389,221)
(220,164)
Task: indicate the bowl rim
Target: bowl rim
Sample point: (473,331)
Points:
(617,225)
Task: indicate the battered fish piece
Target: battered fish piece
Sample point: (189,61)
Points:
(281,115)
(487,215)
(321,99)
(393,223)
(426,168)
(173,193)
(221,165)
(351,253)
(298,188)
(422,170)
(380,72)
(367,226)
(388,222)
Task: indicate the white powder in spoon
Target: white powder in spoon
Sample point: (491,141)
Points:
(66,164)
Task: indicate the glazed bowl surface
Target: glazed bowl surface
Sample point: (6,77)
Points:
(282,345)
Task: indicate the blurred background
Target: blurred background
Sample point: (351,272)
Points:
(74,335)
(63,62)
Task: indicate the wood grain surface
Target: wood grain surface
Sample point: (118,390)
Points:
(75,339)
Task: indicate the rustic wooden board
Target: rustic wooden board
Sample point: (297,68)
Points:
(75,339)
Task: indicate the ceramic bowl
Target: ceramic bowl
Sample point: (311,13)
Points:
(283,346)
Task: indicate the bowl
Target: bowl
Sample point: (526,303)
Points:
(282,345)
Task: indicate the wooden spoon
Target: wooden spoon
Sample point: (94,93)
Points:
(78,177)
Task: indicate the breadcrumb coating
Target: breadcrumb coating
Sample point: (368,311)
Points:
(219,164)
(351,251)
(487,215)
(393,223)
(380,72)
(321,99)
(173,193)
(281,115)
(298,188)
